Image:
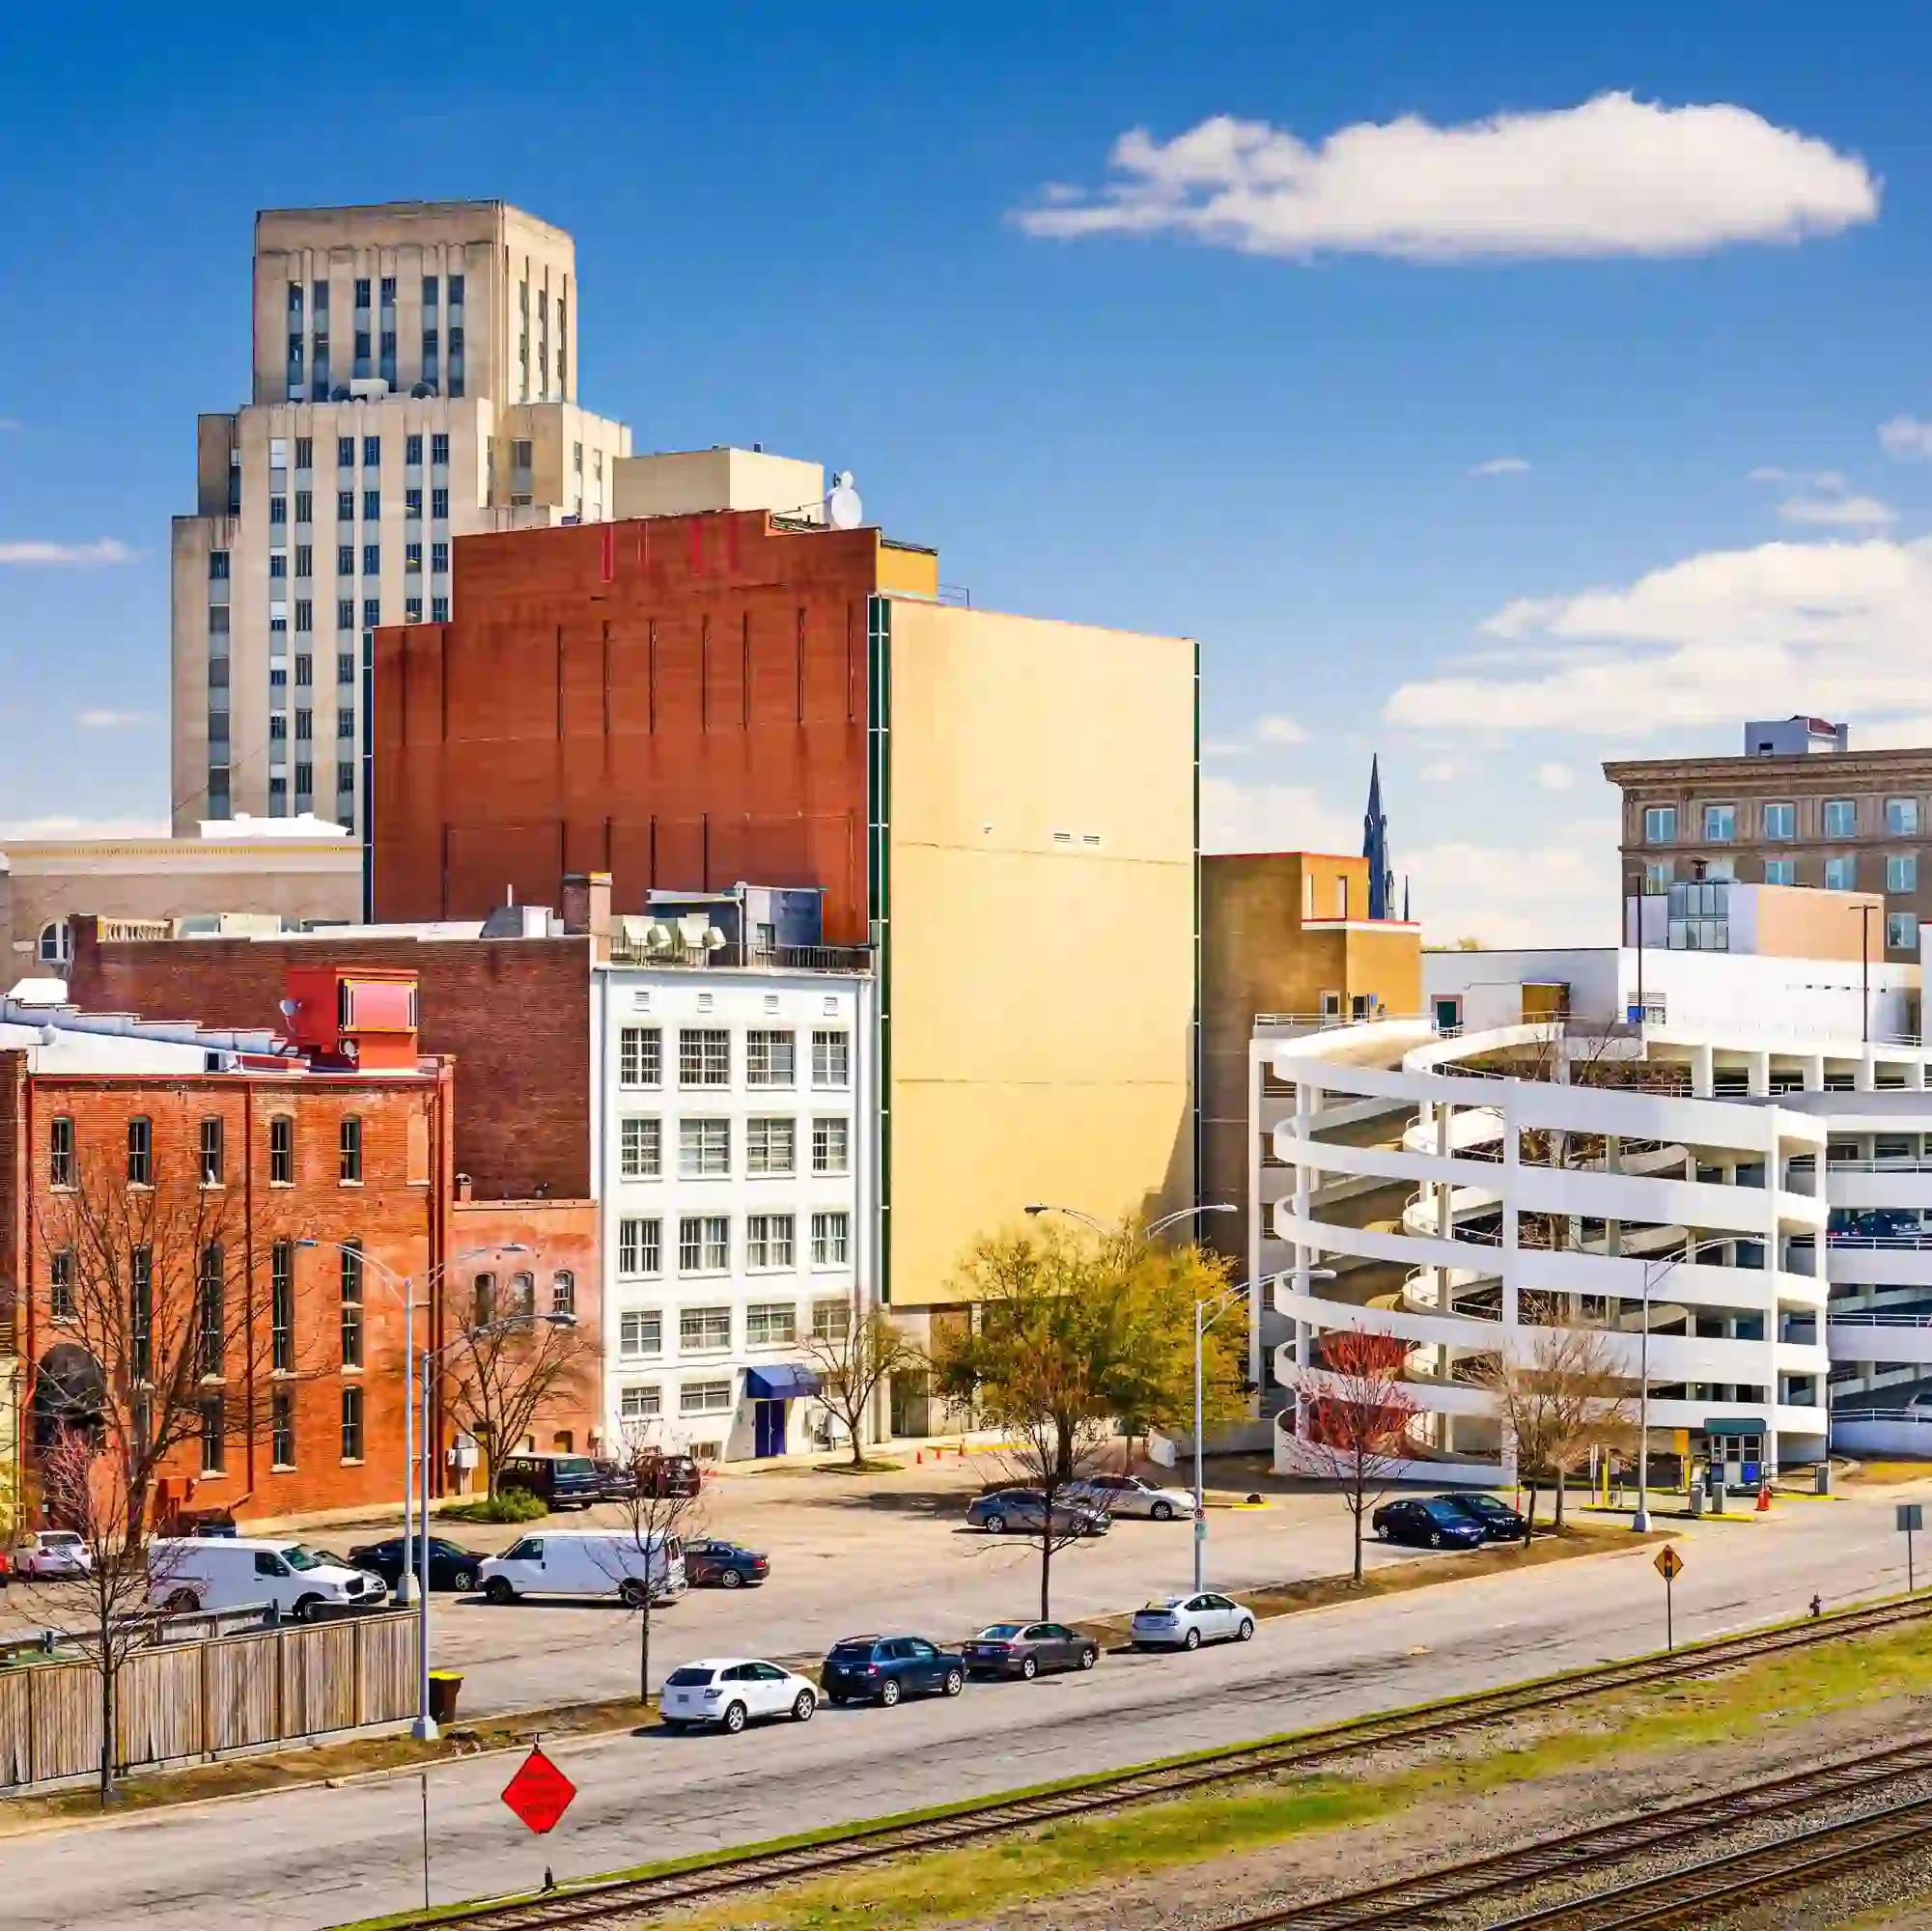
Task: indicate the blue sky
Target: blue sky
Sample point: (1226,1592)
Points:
(798,228)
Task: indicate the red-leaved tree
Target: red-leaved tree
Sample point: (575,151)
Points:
(1358,1420)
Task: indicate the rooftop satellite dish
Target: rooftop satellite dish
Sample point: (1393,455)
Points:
(288,1007)
(843,509)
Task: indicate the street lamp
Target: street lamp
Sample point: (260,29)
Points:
(424,1729)
(407,1285)
(1147,1233)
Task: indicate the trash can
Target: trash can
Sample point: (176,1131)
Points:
(1697,1499)
(1821,1475)
(444,1687)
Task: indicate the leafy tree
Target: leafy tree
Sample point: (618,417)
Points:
(853,1358)
(503,1373)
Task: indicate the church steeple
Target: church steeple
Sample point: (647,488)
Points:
(1375,847)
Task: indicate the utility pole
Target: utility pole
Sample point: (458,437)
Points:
(1864,913)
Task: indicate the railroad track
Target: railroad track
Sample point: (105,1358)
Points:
(619,1901)
(1429,1894)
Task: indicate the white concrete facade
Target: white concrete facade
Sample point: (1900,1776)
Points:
(732,1154)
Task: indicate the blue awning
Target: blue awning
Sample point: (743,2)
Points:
(779,1384)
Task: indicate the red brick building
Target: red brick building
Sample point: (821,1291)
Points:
(679,701)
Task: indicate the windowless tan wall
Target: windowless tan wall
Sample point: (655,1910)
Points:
(1042,902)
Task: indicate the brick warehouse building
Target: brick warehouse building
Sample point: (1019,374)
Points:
(269,1145)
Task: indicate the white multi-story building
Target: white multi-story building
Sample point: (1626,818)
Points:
(733,1150)
(1746,1170)
(414,380)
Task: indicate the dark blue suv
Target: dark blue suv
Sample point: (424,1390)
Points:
(883,1668)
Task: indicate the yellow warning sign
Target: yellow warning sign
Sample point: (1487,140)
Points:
(1669,1562)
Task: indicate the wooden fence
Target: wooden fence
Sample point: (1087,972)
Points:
(193,1699)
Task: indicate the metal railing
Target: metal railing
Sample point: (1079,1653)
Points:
(1873,1317)
(738,956)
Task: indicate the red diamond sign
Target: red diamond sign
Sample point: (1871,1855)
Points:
(540,1792)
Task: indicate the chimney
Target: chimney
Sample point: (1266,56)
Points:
(466,1188)
(587,908)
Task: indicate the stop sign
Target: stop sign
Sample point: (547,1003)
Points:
(540,1792)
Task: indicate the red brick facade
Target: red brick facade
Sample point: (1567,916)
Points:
(513,1013)
(680,701)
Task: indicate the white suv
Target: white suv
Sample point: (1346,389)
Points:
(729,1691)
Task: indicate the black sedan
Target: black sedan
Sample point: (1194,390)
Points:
(724,1565)
(1427,1524)
(1499,1521)
(450,1566)
(1027,1649)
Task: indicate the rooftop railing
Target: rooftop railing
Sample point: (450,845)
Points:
(738,957)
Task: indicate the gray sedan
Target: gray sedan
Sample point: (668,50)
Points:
(1025,1511)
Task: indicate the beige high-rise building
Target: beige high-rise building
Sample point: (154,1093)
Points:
(415,380)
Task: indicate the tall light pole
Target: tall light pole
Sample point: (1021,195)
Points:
(406,1285)
(1864,913)
(424,1729)
(1653,1273)
(1147,1233)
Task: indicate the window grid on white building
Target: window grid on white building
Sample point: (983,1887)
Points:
(771,1323)
(640,1056)
(832,1238)
(641,1149)
(831,1146)
(770,1241)
(770,1059)
(704,1329)
(640,1246)
(771,1146)
(640,1333)
(704,1149)
(704,1057)
(704,1243)
(832,1057)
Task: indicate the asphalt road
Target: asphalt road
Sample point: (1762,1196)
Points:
(315,1858)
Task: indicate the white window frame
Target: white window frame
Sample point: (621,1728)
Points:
(771,1058)
(708,1065)
(697,1329)
(1660,825)
(633,1326)
(1717,830)
(636,1251)
(1780,871)
(823,1134)
(831,1244)
(771,1243)
(1839,818)
(761,1161)
(1901,930)
(832,1059)
(1833,863)
(761,1315)
(1783,829)
(709,1242)
(824,1326)
(1901,818)
(705,1397)
(642,1402)
(1901,871)
(640,1059)
(640,1147)
(704,1147)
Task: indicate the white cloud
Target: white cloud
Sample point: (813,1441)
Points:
(1273,817)
(1501,465)
(1615,176)
(105,550)
(1906,437)
(1277,728)
(1767,472)
(111,720)
(1441,770)
(1561,892)
(62,826)
(1857,513)
(1835,628)
(1225,748)
(1555,777)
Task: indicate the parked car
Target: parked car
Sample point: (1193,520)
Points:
(1128,1495)
(883,1668)
(221,1572)
(1025,1649)
(1499,1522)
(730,1690)
(451,1565)
(724,1565)
(51,1553)
(1026,1510)
(650,1475)
(588,1562)
(562,1481)
(1185,1622)
(1427,1524)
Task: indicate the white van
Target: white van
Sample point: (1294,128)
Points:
(226,1572)
(587,1562)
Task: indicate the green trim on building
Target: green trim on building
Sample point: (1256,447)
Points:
(879,888)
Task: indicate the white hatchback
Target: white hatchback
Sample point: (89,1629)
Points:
(1185,1622)
(730,1690)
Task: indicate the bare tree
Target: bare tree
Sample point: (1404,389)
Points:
(1358,1424)
(654,1510)
(853,1358)
(108,1579)
(502,1375)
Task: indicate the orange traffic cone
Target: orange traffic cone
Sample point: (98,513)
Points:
(1764,1498)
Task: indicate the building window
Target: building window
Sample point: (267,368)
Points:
(352,1424)
(61,1165)
(282,1307)
(831,1146)
(55,944)
(704,1329)
(413,449)
(372,452)
(413,559)
(522,1293)
(1901,930)
(281,1151)
(771,1059)
(344,725)
(412,609)
(140,1151)
(482,1301)
(704,1398)
(1901,818)
(351,1304)
(439,609)
(141,1312)
(1720,823)
(413,507)
(640,1152)
(212,1153)
(214,1435)
(770,1241)
(1841,818)
(278,511)
(564,1293)
(1780,819)
(771,1323)
(641,1248)
(305,566)
(704,1057)
(439,449)
(372,558)
(372,612)
(305,452)
(305,663)
(640,1333)
(704,1149)
(282,1428)
(60,1284)
(639,1404)
(440,499)
(832,1238)
(344,451)
(351,1163)
(209,1313)
(1901,872)
(640,1056)
(771,1146)
(1780,871)
(439,559)
(831,1320)
(1840,875)
(217,566)
(704,1243)
(832,1059)
(345,606)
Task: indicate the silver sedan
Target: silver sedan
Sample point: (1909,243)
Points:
(1128,1495)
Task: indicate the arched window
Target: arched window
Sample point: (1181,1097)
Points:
(522,1293)
(55,946)
(484,1298)
(563,1292)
